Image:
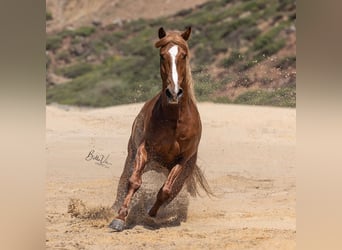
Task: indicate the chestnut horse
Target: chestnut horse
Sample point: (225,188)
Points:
(167,131)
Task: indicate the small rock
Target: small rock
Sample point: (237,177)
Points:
(96,22)
(118,22)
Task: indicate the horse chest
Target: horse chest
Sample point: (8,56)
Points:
(167,143)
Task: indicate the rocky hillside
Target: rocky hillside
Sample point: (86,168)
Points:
(243,51)
(77,13)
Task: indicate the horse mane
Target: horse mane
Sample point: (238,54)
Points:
(176,38)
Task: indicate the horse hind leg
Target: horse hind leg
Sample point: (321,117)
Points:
(172,186)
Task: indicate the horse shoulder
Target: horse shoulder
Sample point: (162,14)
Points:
(190,122)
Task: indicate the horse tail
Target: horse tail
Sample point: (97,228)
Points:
(196,180)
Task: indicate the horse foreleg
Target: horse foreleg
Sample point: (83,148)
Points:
(124,178)
(134,184)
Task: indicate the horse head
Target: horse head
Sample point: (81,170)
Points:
(174,64)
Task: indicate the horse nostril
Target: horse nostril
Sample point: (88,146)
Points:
(168,93)
(180,93)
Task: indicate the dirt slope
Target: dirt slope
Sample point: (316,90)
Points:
(75,13)
(247,153)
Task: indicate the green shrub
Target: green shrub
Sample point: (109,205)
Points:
(234,57)
(202,55)
(285,5)
(53,42)
(283,97)
(113,38)
(48,16)
(47,60)
(251,33)
(254,6)
(75,70)
(286,62)
(266,39)
(183,12)
(63,55)
(137,25)
(271,49)
(84,31)
(223,99)
(97,46)
(248,64)
(267,44)
(65,33)
(204,86)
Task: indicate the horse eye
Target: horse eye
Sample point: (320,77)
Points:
(162,57)
(184,56)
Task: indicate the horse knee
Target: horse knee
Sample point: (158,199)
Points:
(164,194)
(167,190)
(135,183)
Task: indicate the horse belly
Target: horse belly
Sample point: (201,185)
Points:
(165,151)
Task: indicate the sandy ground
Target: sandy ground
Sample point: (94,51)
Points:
(247,153)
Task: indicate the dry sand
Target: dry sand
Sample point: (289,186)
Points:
(247,153)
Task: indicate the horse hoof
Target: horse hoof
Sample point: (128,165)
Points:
(117,225)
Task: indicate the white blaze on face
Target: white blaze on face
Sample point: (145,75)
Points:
(173,52)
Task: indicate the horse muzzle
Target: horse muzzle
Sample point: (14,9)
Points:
(172,96)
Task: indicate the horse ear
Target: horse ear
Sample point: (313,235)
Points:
(161,32)
(186,33)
